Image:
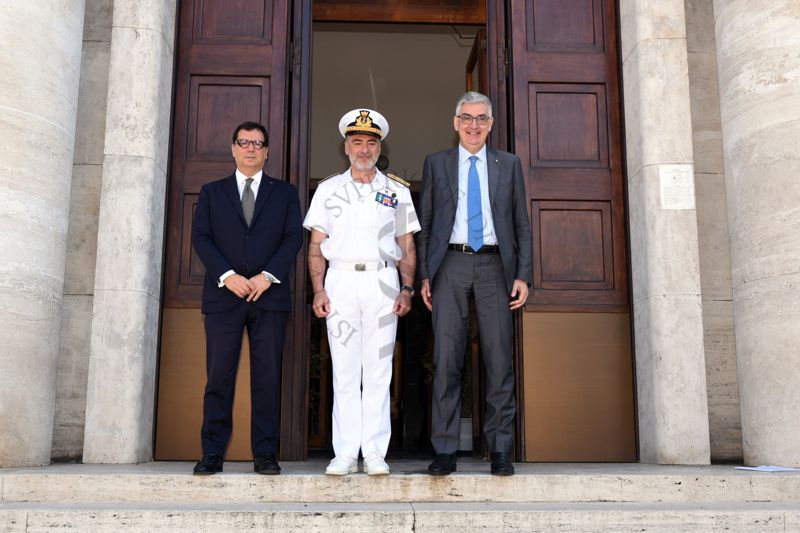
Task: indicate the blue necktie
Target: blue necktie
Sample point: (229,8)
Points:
(474,213)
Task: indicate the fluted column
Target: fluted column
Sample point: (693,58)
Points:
(39,76)
(120,401)
(758,52)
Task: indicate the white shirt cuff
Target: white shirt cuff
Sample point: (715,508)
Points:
(222,278)
(270,277)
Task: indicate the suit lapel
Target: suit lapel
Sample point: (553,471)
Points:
(232,192)
(265,188)
(492,174)
(451,170)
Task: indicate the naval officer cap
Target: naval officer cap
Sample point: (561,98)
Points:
(364,122)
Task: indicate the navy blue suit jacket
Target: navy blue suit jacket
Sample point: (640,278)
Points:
(223,240)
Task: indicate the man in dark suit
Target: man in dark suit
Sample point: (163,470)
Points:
(475,241)
(247,231)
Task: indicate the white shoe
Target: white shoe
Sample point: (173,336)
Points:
(341,466)
(374,465)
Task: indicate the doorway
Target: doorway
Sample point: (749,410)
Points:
(552,73)
(412,74)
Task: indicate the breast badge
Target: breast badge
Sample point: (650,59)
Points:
(387,197)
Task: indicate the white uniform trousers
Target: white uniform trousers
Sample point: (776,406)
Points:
(361,334)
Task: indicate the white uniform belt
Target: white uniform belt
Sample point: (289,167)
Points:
(360,267)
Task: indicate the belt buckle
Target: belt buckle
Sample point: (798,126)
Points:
(467,249)
(360,267)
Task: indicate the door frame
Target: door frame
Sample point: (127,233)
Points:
(294,396)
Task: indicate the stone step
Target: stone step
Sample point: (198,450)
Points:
(303,482)
(401,517)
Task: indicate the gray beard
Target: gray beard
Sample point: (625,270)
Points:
(362,167)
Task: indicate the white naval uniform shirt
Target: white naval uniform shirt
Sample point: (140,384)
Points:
(359,225)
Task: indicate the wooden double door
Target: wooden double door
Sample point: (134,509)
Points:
(552,72)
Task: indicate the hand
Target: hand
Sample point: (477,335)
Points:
(519,293)
(239,285)
(321,305)
(402,304)
(260,286)
(425,291)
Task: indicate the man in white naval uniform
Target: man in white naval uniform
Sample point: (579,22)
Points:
(363,223)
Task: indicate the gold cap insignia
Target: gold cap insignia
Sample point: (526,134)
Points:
(364,121)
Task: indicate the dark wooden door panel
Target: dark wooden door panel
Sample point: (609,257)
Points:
(558,25)
(233,22)
(567,133)
(568,125)
(231,68)
(214,102)
(572,245)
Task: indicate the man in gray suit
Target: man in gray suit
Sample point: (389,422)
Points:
(475,241)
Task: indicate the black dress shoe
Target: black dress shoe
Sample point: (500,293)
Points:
(501,464)
(211,463)
(443,464)
(265,463)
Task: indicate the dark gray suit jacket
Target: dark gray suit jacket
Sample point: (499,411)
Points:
(508,200)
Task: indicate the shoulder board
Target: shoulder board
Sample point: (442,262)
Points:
(398,179)
(329,177)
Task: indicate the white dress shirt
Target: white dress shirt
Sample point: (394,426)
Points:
(460,234)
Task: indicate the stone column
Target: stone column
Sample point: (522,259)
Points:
(724,418)
(39,75)
(127,288)
(87,177)
(758,53)
(667,308)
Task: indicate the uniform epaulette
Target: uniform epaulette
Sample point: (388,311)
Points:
(398,179)
(329,177)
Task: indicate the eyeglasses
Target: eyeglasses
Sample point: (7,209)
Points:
(467,119)
(257,144)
